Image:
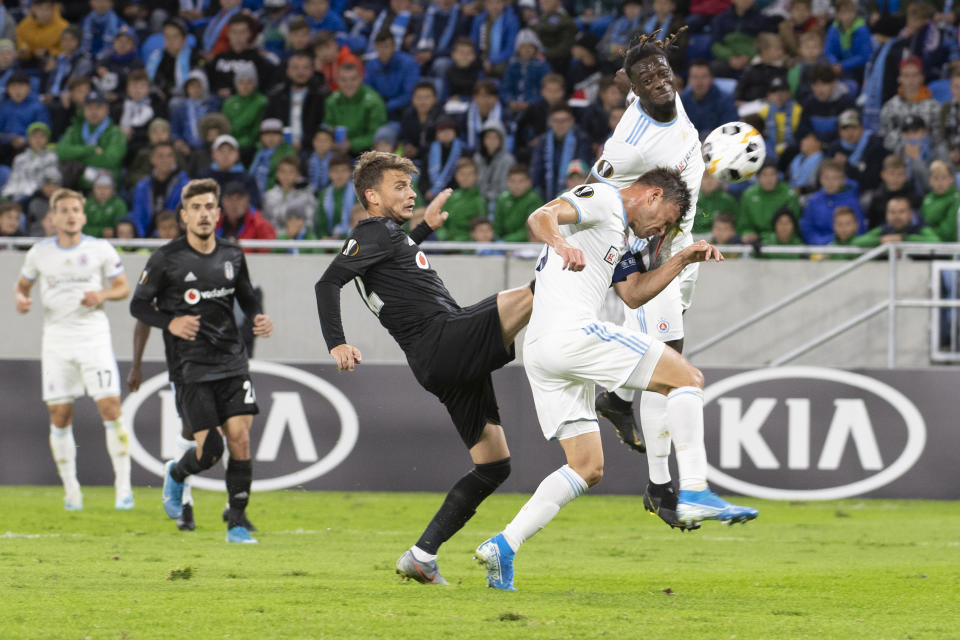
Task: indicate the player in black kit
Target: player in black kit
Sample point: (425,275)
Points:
(450,349)
(194,280)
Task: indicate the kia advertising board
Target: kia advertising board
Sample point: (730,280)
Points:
(798,433)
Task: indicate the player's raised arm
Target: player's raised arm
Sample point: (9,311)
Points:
(433,219)
(543,225)
(639,288)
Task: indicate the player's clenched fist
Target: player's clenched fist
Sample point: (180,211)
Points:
(23,303)
(262,325)
(347,357)
(185,327)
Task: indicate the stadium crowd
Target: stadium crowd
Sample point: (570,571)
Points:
(507,103)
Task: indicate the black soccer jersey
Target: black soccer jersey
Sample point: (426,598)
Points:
(185,282)
(394,279)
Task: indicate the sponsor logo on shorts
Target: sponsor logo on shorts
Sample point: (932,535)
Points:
(228,270)
(809,433)
(583,191)
(613,255)
(350,248)
(604,169)
(422,260)
(663,326)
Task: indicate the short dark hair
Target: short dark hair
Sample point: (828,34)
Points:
(138,75)
(561,106)
(165,143)
(299,23)
(243,18)
(368,174)
(675,190)
(519,168)
(724,216)
(844,211)
(163,216)
(300,54)
(553,78)
(832,164)
(700,62)
(289,160)
(340,159)
(323,38)
(9,205)
(18,77)
(464,41)
(383,36)
(425,84)
(349,66)
(478,221)
(198,188)
(822,73)
(486,87)
(466,161)
(73,83)
(899,196)
(781,212)
(894,161)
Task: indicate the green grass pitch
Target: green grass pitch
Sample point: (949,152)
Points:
(324,568)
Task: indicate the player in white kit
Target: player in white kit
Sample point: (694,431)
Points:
(656,132)
(567,349)
(77,275)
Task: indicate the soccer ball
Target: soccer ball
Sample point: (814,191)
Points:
(734,152)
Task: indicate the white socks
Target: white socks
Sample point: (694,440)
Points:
(421,555)
(185,445)
(556,490)
(118,446)
(685,417)
(656,435)
(64,450)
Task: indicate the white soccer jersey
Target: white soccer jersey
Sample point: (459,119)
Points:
(573,299)
(640,143)
(65,275)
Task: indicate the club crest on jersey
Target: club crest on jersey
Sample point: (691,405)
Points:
(83,260)
(191,296)
(350,248)
(663,326)
(143,277)
(613,255)
(604,169)
(583,191)
(228,270)
(422,260)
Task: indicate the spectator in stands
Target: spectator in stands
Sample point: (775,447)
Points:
(335,202)
(734,32)
(363,15)
(443,22)
(442,158)
(272,149)
(39,202)
(485,109)
(157,131)
(10,219)
(138,110)
(124,229)
(17,112)
(577,174)
(211,127)
(100,27)
(216,38)
(68,109)
(925,38)
(514,205)
(811,55)
(595,119)
(836,190)
(616,38)
(494,31)
(72,62)
(29,166)
(583,76)
(805,165)
(706,105)
(557,31)
(299,37)
(114,65)
(319,17)
(295,227)
(913,98)
(187,112)
(781,117)
(860,150)
(464,204)
(357,109)
(770,65)
(941,206)
(158,191)
(949,121)
(919,152)
(170,66)
(9,64)
(330,56)
(827,100)
(525,72)
(226,167)
(846,227)
(317,162)
(563,142)
(493,162)
(95,143)
(241,220)
(799,21)
(783,233)
(167,226)
(245,111)
(392,74)
(276,20)
(241,57)
(395,18)
(724,230)
(849,44)
(894,182)
(417,122)
(38,34)
(670,22)
(288,195)
(900,225)
(763,199)
(481,230)
(299,102)
(103,209)
(462,76)
(712,198)
(532,124)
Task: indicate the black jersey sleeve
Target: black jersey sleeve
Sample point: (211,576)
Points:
(151,282)
(246,296)
(421,232)
(368,245)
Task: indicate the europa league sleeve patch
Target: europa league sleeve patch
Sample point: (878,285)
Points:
(350,248)
(604,169)
(584,191)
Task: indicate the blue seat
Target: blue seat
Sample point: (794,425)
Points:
(941,90)
(727,85)
(699,46)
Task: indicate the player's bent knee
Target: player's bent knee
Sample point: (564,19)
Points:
(60,415)
(493,473)
(109,408)
(592,474)
(212,450)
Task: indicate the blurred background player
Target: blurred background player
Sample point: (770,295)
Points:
(77,275)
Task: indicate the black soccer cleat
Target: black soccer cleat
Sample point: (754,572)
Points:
(244,522)
(610,407)
(661,500)
(185,522)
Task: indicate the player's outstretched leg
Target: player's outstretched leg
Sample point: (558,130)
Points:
(64,450)
(619,411)
(118,446)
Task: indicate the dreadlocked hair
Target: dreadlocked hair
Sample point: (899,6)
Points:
(644,45)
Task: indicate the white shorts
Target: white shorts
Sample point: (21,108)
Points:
(661,317)
(70,371)
(565,366)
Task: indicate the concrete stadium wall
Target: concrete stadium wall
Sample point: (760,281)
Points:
(725,294)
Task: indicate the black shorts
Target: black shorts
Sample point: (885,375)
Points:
(185,431)
(467,346)
(205,405)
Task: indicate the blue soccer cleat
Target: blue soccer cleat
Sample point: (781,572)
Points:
(172,493)
(496,556)
(240,535)
(125,503)
(695,506)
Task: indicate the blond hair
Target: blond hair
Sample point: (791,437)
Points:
(66,194)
